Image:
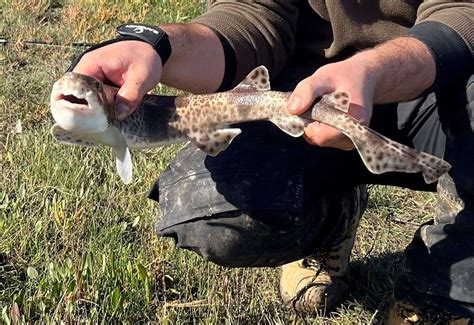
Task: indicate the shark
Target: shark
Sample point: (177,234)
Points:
(84,112)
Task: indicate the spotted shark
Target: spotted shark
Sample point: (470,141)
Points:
(84,111)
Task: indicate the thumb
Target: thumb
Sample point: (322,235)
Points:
(305,94)
(131,93)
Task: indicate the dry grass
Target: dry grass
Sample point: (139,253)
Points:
(78,246)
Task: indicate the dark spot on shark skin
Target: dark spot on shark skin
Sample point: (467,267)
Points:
(385,165)
(377,167)
(255,74)
(185,130)
(264,80)
(217,144)
(244,111)
(380,156)
(204,138)
(228,137)
(181,101)
(211,150)
(216,134)
(432,160)
(344,102)
(369,158)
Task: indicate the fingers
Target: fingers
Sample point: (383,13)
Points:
(134,66)
(306,93)
(325,136)
(135,86)
(89,67)
(302,98)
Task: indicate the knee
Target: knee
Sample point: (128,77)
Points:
(236,239)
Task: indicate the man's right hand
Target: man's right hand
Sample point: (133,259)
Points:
(133,66)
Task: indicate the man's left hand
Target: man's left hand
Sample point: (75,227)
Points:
(355,76)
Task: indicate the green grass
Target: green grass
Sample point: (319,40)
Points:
(76,245)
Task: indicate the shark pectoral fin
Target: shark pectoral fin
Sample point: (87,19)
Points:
(381,155)
(123,161)
(213,141)
(339,100)
(257,79)
(291,125)
(63,136)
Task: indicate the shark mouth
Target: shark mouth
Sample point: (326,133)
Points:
(73,99)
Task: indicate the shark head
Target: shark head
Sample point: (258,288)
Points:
(81,104)
(83,110)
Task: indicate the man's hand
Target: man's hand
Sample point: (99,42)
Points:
(354,76)
(398,70)
(134,66)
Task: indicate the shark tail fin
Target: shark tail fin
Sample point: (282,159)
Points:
(381,155)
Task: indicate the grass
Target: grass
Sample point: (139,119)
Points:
(76,245)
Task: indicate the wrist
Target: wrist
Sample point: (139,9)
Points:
(370,61)
(403,69)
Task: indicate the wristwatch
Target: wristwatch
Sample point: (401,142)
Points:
(152,35)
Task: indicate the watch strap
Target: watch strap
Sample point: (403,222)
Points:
(152,35)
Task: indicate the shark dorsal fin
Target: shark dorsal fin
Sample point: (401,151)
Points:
(257,79)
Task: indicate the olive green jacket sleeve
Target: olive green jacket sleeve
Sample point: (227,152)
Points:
(447,28)
(458,15)
(257,32)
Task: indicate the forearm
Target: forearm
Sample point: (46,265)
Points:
(197,61)
(403,68)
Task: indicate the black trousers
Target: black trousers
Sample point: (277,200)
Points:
(270,199)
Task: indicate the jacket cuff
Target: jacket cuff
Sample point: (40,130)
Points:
(452,56)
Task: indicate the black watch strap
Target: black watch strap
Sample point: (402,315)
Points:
(152,35)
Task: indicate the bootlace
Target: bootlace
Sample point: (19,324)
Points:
(318,263)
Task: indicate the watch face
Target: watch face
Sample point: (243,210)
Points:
(147,33)
(139,29)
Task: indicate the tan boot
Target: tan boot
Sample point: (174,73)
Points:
(318,283)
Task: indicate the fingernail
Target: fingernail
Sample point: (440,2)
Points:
(121,111)
(294,104)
